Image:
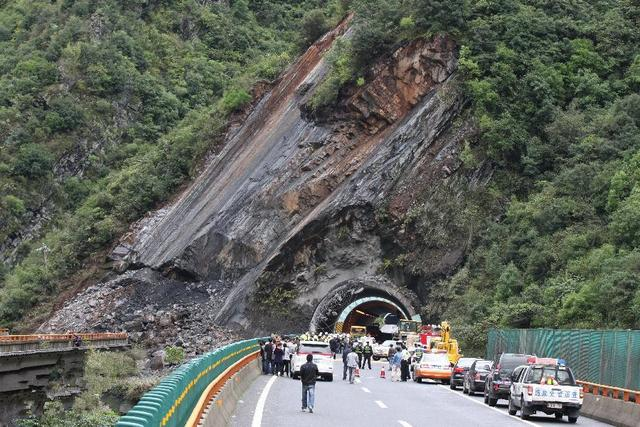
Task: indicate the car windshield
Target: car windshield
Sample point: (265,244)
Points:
(550,374)
(435,359)
(465,362)
(509,363)
(484,365)
(314,348)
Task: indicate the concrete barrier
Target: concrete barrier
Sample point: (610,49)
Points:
(222,407)
(613,411)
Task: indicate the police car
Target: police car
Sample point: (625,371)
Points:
(545,385)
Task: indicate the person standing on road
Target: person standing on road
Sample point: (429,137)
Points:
(262,357)
(268,354)
(286,360)
(352,364)
(367,352)
(358,351)
(278,358)
(390,354)
(334,345)
(345,352)
(308,375)
(395,363)
(404,364)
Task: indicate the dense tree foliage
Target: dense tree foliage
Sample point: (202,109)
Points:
(107,106)
(555,93)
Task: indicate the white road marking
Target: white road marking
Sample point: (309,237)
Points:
(404,423)
(493,408)
(366,390)
(257,416)
(381,404)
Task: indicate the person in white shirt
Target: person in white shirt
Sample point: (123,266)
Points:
(286,360)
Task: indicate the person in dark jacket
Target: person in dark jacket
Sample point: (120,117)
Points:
(367,352)
(308,375)
(278,357)
(346,350)
(334,345)
(268,354)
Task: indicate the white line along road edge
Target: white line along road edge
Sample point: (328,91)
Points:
(480,402)
(257,416)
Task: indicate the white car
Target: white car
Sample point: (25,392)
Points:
(381,351)
(321,356)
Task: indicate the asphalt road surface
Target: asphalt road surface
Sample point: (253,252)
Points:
(371,402)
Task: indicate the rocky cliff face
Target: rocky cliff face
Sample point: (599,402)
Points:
(297,215)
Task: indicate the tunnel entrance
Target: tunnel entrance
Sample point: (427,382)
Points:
(361,302)
(367,312)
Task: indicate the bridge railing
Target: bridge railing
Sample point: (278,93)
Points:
(172,402)
(35,342)
(609,391)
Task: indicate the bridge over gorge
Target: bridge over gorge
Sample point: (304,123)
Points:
(226,387)
(35,368)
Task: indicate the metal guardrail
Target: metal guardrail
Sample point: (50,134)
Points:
(17,344)
(609,391)
(172,402)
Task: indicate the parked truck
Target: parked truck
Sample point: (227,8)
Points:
(545,385)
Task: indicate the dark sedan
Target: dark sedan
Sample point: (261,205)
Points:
(458,371)
(498,381)
(476,376)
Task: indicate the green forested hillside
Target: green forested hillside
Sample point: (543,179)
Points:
(555,93)
(107,106)
(138,91)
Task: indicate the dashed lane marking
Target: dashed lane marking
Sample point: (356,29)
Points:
(480,402)
(381,404)
(257,416)
(404,423)
(366,390)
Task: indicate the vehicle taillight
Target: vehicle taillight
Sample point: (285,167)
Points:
(458,370)
(530,390)
(581,393)
(496,387)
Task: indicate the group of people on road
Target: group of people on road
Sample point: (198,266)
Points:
(400,362)
(275,355)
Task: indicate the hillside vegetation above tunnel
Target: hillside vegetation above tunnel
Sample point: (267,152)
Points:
(500,185)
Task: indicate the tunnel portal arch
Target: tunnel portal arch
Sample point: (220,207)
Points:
(356,300)
(372,307)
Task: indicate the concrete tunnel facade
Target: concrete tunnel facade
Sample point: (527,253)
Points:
(358,302)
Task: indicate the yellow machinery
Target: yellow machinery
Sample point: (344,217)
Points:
(446,343)
(357,331)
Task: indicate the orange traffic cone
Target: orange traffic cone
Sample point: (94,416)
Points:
(382,373)
(357,372)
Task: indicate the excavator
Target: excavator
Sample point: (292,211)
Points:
(444,343)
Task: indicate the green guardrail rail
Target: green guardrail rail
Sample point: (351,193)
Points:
(610,357)
(171,402)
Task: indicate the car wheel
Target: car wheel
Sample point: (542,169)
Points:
(492,401)
(573,420)
(558,415)
(464,387)
(524,412)
(512,409)
(376,358)
(329,377)
(452,386)
(294,376)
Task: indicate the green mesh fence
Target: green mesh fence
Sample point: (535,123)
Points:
(171,402)
(609,357)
